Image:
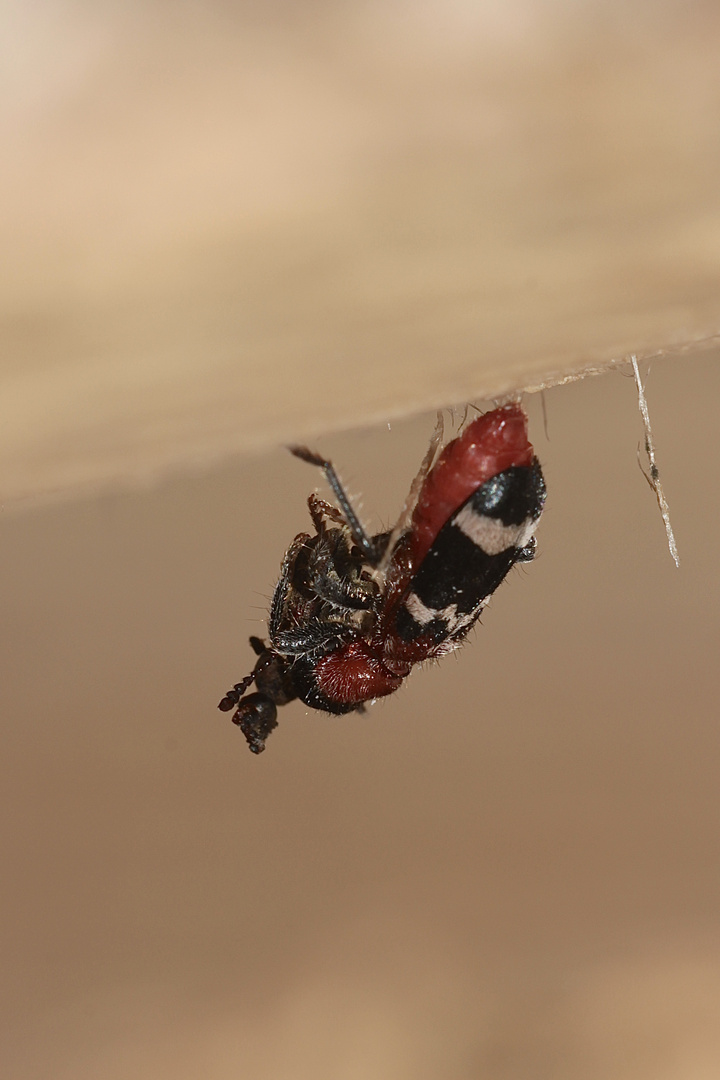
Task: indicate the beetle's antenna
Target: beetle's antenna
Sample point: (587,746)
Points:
(233,696)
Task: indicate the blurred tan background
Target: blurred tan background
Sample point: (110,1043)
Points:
(228,226)
(508,869)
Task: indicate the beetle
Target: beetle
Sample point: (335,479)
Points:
(353,613)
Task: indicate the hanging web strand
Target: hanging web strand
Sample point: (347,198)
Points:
(654,478)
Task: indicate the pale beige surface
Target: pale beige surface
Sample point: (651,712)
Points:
(228,225)
(508,870)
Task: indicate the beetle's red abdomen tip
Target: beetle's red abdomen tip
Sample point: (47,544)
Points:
(503,430)
(494,442)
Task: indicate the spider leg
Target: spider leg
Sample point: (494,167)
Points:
(412,497)
(352,521)
(319,509)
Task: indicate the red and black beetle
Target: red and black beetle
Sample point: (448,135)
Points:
(352,614)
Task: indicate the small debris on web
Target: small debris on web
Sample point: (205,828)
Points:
(654,478)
